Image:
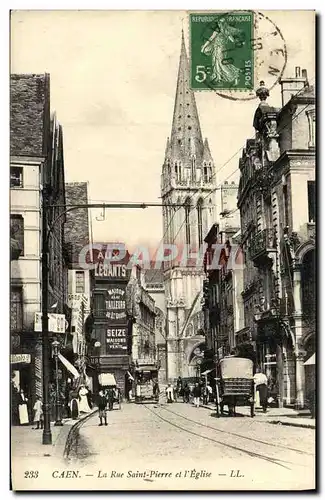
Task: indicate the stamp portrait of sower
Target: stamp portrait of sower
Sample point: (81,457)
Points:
(222,70)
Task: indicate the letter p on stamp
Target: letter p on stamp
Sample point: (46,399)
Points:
(222,53)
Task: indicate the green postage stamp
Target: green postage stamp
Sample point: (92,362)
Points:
(222,51)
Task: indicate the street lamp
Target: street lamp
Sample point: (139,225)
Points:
(56,347)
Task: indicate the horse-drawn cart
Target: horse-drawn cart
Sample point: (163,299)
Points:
(235,387)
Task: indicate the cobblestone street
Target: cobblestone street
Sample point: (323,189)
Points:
(169,437)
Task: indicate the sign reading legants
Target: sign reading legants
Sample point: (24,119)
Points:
(116,340)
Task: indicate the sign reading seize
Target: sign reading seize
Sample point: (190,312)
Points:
(116,340)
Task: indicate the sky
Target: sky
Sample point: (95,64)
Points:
(113,83)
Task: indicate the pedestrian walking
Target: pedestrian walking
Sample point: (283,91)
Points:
(260,381)
(196,395)
(38,416)
(186,393)
(110,398)
(102,407)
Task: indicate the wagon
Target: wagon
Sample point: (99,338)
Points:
(235,387)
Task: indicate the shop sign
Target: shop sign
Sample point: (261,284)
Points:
(115,304)
(110,271)
(20,358)
(116,340)
(57,323)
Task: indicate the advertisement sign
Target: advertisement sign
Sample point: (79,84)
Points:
(116,340)
(57,323)
(115,304)
(20,358)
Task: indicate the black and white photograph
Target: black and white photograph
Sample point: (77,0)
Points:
(162,250)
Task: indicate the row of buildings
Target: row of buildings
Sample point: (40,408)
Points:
(260,299)
(94,315)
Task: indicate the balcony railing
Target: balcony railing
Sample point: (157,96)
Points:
(261,243)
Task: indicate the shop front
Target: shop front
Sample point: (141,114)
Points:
(275,356)
(22,375)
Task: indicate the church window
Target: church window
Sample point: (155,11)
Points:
(187,221)
(188,116)
(179,128)
(193,168)
(199,221)
(190,128)
(188,104)
(205,174)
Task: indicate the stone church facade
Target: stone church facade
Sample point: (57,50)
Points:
(188,179)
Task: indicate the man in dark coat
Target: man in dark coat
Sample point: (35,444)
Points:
(102,404)
(110,398)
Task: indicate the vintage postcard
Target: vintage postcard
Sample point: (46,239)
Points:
(162,226)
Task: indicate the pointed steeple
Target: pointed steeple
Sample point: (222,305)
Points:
(186,137)
(207,156)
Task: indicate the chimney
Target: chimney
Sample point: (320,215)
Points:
(292,86)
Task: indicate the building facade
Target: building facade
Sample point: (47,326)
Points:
(142,312)
(154,284)
(77,237)
(111,351)
(36,173)
(277,206)
(188,179)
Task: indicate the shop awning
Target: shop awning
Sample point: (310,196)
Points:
(311,360)
(106,379)
(146,368)
(69,366)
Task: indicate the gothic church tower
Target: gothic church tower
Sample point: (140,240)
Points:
(188,178)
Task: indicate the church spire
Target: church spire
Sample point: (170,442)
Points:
(186,137)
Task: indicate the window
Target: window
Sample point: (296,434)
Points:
(99,304)
(17,230)
(193,168)
(187,222)
(311,201)
(80,282)
(199,221)
(16,177)
(16,309)
(311,115)
(286,205)
(205,173)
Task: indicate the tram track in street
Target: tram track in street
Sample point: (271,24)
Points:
(276,461)
(286,448)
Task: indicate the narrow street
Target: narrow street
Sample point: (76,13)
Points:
(179,437)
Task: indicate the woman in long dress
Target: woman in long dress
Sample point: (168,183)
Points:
(23,410)
(216,47)
(83,400)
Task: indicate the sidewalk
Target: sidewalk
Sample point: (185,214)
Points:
(26,442)
(279,416)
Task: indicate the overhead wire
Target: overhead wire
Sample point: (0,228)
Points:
(237,168)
